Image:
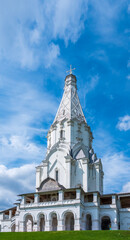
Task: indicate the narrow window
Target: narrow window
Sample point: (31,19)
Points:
(61,134)
(57,175)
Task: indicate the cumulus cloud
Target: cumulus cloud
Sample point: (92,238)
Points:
(15,181)
(23,110)
(116,168)
(126,187)
(30,29)
(116,165)
(19,147)
(124,123)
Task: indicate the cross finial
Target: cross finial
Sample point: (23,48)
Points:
(70,71)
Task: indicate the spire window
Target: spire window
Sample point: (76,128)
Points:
(56,175)
(62,134)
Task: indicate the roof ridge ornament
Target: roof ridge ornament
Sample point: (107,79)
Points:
(70,71)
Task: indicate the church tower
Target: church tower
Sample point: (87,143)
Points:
(70,158)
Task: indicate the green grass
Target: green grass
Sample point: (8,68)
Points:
(68,235)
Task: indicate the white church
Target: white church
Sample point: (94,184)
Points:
(69,181)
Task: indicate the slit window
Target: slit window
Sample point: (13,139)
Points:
(57,175)
(61,134)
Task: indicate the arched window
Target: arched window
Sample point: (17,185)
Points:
(56,175)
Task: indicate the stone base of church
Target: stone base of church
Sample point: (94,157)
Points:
(87,211)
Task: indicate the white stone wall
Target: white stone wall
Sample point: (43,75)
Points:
(125,219)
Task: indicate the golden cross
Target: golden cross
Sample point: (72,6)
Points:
(70,71)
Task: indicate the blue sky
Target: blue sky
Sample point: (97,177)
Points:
(38,41)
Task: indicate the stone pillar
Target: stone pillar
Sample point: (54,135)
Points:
(23,200)
(68,169)
(85,174)
(48,225)
(95,224)
(114,224)
(36,198)
(77,224)
(10,214)
(61,196)
(97,177)
(95,197)
(37,177)
(21,226)
(45,165)
(60,226)
(113,199)
(78,193)
(17,225)
(35,226)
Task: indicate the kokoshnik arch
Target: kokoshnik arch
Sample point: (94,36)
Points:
(69,181)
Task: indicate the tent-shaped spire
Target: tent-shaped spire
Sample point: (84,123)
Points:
(70,107)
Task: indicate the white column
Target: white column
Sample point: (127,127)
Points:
(95,219)
(23,200)
(85,174)
(95,197)
(45,165)
(60,226)
(37,177)
(113,199)
(114,224)
(78,194)
(68,172)
(48,225)
(10,214)
(35,226)
(97,178)
(61,195)
(77,224)
(95,224)
(16,225)
(21,226)
(36,198)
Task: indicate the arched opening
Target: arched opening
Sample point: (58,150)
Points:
(28,223)
(42,223)
(69,221)
(88,222)
(13,228)
(54,222)
(106,223)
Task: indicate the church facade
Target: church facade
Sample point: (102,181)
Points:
(69,181)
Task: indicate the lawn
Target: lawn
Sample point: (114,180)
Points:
(68,235)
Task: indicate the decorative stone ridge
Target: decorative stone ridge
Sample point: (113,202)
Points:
(70,107)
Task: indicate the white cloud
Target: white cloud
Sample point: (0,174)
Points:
(124,123)
(116,168)
(19,147)
(69,17)
(126,187)
(93,82)
(28,29)
(106,15)
(15,181)
(24,108)
(116,165)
